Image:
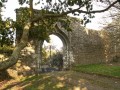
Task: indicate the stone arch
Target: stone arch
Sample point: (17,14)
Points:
(66,46)
(64,38)
(81,45)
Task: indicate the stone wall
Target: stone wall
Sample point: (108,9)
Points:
(82,46)
(86,45)
(111,40)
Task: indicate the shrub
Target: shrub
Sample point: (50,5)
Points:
(6,50)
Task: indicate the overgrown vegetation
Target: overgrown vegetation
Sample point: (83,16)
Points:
(101,69)
(6,49)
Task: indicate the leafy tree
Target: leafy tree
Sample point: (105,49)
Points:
(50,11)
(6,35)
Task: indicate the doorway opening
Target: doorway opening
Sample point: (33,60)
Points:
(53,53)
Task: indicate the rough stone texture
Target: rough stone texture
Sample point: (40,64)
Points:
(111,40)
(86,45)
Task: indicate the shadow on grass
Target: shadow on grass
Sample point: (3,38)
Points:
(4,75)
(49,81)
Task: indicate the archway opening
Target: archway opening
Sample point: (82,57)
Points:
(53,52)
(55,43)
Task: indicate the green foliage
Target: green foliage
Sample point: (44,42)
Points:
(6,34)
(44,56)
(57,60)
(23,15)
(21,2)
(39,32)
(6,37)
(41,29)
(2,2)
(101,69)
(6,50)
(65,22)
(61,6)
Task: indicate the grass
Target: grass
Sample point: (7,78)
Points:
(41,82)
(68,80)
(101,69)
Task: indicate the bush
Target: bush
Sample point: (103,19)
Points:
(57,60)
(6,50)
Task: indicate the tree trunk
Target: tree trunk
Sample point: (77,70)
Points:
(14,57)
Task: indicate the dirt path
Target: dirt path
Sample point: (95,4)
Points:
(82,81)
(68,80)
(95,82)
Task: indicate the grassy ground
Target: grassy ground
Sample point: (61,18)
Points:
(46,81)
(70,80)
(65,80)
(101,69)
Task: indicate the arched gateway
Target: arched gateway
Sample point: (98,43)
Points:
(64,36)
(81,46)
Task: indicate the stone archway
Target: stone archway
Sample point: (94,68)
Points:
(81,46)
(66,47)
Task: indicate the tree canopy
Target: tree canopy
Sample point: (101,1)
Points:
(6,35)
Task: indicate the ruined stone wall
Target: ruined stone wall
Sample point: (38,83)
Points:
(86,45)
(83,46)
(111,40)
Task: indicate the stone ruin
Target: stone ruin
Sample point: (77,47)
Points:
(80,46)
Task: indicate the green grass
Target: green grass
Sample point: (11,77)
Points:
(6,50)
(41,82)
(65,80)
(101,69)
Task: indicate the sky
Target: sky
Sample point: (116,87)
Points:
(54,41)
(95,24)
